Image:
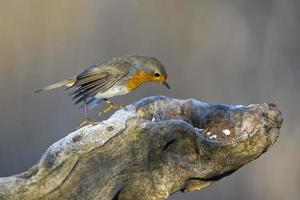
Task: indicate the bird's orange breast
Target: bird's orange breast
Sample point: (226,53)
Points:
(139,78)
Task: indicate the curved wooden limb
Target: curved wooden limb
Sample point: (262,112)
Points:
(149,150)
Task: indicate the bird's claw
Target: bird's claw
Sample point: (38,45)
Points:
(85,122)
(112,106)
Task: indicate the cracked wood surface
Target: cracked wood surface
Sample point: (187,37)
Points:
(149,150)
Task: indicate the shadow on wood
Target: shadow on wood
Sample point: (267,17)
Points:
(149,150)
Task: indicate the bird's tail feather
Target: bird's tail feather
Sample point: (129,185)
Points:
(67,82)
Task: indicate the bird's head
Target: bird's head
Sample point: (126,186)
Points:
(151,69)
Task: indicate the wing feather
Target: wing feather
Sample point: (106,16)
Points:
(98,79)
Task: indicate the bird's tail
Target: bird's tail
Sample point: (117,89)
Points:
(68,83)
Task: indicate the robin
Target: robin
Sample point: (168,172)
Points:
(117,77)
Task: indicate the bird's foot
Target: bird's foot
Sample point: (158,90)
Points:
(112,105)
(86,121)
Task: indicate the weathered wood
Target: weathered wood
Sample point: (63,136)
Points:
(149,150)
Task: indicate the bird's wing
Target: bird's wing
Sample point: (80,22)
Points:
(98,79)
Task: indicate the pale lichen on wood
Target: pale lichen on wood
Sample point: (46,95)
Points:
(149,150)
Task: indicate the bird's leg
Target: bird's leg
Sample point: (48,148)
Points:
(111,105)
(87,120)
(86,109)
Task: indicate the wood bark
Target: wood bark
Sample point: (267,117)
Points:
(149,150)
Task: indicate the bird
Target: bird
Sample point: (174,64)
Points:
(108,79)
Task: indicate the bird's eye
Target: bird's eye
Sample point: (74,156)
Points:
(156,74)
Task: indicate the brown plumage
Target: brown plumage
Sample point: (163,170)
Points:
(116,77)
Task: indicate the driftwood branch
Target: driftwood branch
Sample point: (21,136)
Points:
(149,150)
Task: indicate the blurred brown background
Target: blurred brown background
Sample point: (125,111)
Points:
(233,52)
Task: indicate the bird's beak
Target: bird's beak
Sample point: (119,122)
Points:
(166,84)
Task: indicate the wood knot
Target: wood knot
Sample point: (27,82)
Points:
(76,138)
(110,128)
